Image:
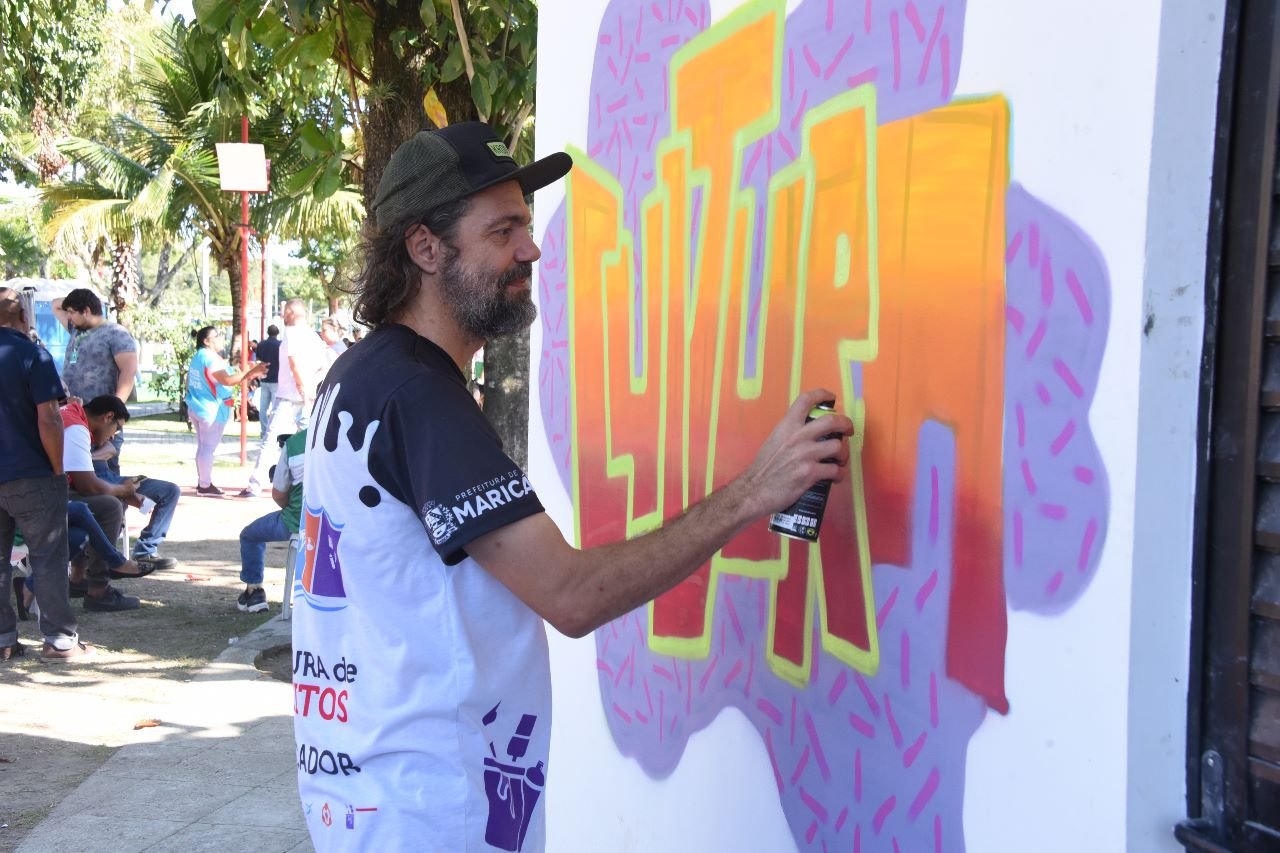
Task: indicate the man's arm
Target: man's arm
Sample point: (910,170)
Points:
(87,483)
(103,453)
(282,483)
(578,591)
(127,364)
(49,422)
(297,380)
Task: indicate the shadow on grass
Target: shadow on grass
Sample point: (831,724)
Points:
(35,774)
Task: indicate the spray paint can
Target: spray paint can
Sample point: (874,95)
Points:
(803,519)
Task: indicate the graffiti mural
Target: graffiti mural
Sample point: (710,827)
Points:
(782,201)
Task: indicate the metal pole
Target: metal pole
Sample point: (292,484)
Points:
(244,300)
(262,321)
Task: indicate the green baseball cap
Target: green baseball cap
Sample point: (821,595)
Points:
(436,167)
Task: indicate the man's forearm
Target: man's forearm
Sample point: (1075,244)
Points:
(89,484)
(577,591)
(51,436)
(297,377)
(617,578)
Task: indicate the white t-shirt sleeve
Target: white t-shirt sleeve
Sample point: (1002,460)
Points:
(77,454)
(283,480)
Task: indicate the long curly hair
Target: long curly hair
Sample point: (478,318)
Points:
(389,279)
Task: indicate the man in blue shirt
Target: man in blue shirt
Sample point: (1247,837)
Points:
(33,488)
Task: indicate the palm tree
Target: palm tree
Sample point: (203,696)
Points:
(157,172)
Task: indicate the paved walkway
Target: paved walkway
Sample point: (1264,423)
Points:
(216,775)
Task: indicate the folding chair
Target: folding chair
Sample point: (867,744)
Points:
(290,562)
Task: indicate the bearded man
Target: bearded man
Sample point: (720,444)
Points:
(423,696)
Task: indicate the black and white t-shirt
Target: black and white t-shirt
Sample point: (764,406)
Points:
(422,691)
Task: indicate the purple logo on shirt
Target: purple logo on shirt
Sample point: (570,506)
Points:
(513,790)
(321,570)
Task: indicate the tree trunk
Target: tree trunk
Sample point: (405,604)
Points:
(506,392)
(234,277)
(124,281)
(397,115)
(390,121)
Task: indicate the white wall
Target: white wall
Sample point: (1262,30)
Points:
(1172,341)
(1091,755)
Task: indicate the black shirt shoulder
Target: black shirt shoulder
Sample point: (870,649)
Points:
(433,449)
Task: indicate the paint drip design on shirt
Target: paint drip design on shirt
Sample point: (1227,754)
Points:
(513,789)
(319,579)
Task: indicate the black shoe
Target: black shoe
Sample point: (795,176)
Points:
(111,602)
(210,490)
(155,563)
(252,601)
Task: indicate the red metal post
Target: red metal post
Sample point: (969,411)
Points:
(244,303)
(262,321)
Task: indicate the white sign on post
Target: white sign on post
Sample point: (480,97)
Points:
(242,167)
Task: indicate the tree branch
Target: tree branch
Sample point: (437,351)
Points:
(466,48)
(351,75)
(165,273)
(518,126)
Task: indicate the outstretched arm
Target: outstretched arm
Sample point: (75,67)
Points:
(577,591)
(252,371)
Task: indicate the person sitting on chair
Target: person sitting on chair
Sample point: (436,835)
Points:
(278,526)
(86,426)
(85,540)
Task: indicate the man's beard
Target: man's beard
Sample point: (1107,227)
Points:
(480,302)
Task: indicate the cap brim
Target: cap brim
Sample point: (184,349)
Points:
(537,174)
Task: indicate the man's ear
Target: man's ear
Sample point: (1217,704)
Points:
(425,249)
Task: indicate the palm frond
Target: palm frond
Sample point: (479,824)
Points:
(109,166)
(293,218)
(85,220)
(151,203)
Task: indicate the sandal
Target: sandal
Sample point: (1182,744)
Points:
(51,654)
(7,653)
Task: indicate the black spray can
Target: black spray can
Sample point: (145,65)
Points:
(803,519)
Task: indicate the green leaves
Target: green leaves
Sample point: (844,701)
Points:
(314,142)
(269,31)
(48,50)
(427,11)
(330,180)
(453,65)
(317,48)
(213,14)
(482,93)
